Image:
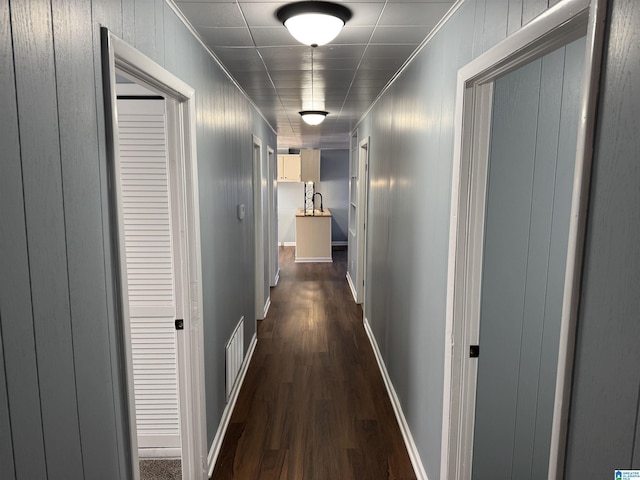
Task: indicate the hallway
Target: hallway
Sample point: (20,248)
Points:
(313,404)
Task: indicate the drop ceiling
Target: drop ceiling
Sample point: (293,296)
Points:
(348,74)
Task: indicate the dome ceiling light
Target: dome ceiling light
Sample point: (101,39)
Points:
(314,22)
(313,117)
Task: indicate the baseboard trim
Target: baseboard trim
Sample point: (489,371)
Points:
(216,445)
(266,307)
(275,282)
(337,243)
(314,260)
(164,453)
(418,468)
(352,288)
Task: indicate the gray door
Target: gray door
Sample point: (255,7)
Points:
(530,177)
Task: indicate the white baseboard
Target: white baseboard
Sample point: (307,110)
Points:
(352,287)
(314,260)
(144,453)
(214,451)
(275,283)
(266,307)
(418,468)
(337,243)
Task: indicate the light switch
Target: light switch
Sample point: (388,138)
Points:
(241,211)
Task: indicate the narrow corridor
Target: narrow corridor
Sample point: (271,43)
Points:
(313,405)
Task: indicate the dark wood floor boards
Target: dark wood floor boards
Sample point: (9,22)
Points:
(313,405)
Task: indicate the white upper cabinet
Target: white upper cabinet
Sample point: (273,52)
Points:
(288,168)
(302,167)
(310,165)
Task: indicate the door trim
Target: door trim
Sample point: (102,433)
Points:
(558,26)
(261,301)
(118,55)
(272,189)
(361,218)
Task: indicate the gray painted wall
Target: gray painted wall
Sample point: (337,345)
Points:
(62,407)
(604,431)
(334,187)
(409,207)
(56,292)
(535,119)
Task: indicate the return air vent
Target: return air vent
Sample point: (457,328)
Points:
(235,355)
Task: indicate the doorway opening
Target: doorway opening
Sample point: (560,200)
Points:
(262,282)
(482,86)
(358,198)
(150,123)
(273,216)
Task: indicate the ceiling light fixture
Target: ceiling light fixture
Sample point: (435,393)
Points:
(313,22)
(313,117)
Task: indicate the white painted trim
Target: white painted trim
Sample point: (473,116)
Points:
(119,55)
(277,279)
(352,288)
(556,27)
(267,304)
(412,449)
(216,445)
(272,210)
(258,222)
(337,243)
(577,227)
(164,453)
(362,185)
(313,260)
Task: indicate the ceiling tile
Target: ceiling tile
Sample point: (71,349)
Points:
(272,37)
(262,14)
(365,13)
(391,35)
(413,13)
(239,59)
(275,70)
(212,15)
(226,36)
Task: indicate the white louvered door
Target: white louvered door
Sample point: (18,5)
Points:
(150,270)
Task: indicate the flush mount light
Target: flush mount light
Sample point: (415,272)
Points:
(314,23)
(313,117)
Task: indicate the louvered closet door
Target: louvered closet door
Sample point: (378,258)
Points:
(150,270)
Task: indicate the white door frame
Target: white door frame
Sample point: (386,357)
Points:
(258,212)
(565,22)
(361,235)
(120,56)
(273,215)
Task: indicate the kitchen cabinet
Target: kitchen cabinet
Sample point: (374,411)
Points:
(302,167)
(289,168)
(310,165)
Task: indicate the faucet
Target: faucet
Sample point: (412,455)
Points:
(314,201)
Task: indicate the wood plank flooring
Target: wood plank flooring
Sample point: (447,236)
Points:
(313,405)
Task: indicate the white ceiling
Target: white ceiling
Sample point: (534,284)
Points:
(349,73)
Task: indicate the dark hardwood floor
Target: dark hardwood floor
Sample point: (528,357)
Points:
(313,405)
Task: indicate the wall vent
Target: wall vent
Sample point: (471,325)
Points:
(235,355)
